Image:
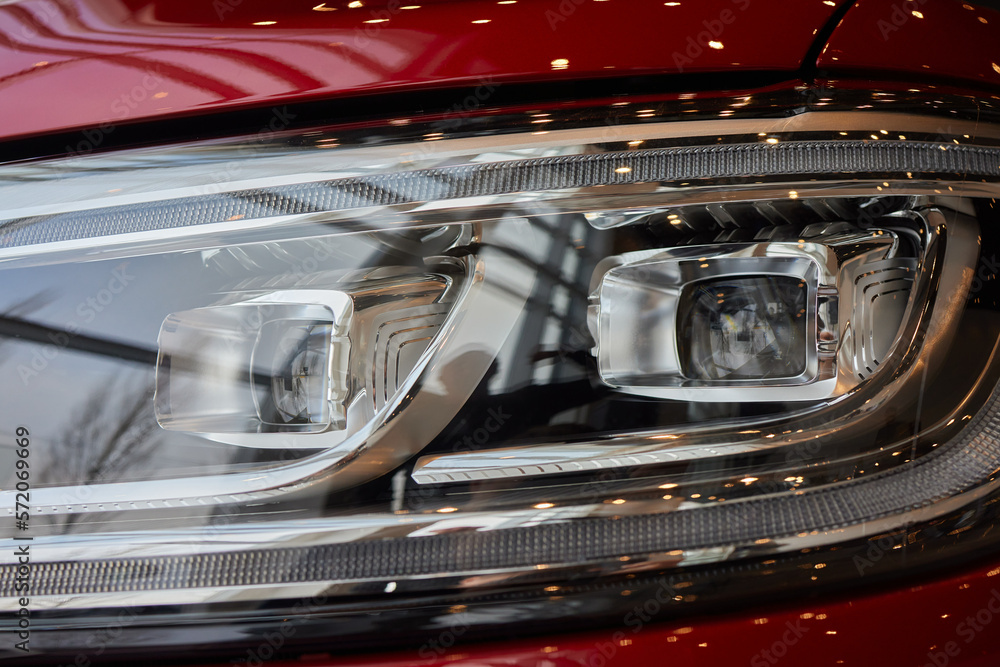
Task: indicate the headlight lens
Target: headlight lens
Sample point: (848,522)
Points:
(408,367)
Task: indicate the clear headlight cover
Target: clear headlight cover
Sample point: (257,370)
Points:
(452,365)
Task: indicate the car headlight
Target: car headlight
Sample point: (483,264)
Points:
(445,365)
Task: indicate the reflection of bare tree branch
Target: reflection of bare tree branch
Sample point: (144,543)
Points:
(23,330)
(22,308)
(109,437)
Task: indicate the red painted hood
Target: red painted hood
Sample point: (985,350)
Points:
(949,40)
(80,63)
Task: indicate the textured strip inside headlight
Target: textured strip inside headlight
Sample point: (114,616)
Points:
(438,359)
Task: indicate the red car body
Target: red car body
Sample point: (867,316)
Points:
(87,75)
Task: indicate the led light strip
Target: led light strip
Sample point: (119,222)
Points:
(496,178)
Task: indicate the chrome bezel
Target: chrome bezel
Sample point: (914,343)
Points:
(313,473)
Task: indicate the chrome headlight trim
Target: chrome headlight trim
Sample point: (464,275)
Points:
(953,471)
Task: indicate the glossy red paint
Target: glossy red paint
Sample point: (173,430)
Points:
(949,622)
(81,63)
(941,39)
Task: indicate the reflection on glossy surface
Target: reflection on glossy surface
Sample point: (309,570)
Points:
(900,626)
(954,42)
(126,60)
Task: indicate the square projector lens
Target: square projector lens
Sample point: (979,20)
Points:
(246,368)
(743,328)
